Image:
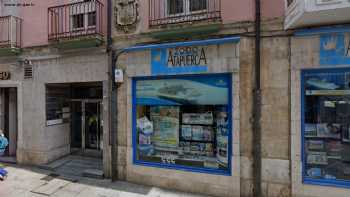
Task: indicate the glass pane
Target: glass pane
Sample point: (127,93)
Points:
(175,6)
(92,19)
(198,5)
(78,21)
(92,125)
(76,124)
(179,122)
(326,126)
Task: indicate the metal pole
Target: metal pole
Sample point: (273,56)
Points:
(257,106)
(113,93)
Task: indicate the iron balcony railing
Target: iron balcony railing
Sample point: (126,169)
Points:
(75,20)
(164,12)
(10,32)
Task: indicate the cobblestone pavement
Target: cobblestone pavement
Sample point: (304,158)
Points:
(34,182)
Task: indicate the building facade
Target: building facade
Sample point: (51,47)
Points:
(187,95)
(186,78)
(54,62)
(319,53)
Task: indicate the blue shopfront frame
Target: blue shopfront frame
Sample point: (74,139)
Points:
(175,166)
(307,180)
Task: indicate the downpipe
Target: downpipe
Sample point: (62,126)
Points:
(257,105)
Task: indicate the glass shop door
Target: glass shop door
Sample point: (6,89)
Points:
(86,125)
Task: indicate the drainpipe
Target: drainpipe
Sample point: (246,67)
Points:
(257,106)
(113,92)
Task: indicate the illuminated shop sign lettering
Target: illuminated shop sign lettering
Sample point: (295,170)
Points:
(186,56)
(4,75)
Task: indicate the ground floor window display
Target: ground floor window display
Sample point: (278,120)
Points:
(326,126)
(183,122)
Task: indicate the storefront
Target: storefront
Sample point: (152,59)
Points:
(180,100)
(320,129)
(183,122)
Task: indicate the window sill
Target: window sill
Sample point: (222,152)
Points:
(183,168)
(327,182)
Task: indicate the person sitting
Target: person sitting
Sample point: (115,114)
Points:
(3,145)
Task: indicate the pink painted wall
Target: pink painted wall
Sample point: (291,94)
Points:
(232,11)
(35,27)
(272,8)
(35,23)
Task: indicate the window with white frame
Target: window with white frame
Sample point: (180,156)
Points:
(83,20)
(178,7)
(83,16)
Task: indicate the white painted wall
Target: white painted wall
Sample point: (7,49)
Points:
(303,13)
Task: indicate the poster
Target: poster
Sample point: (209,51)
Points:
(198,91)
(166,126)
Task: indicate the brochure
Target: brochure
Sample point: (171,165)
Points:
(329,130)
(310,130)
(168,133)
(145,126)
(317,158)
(197,118)
(186,132)
(144,139)
(315,145)
(197,133)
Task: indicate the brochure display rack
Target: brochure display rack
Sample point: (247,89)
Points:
(183,123)
(326,125)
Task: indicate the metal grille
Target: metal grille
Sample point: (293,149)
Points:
(28,72)
(10,32)
(75,20)
(179,11)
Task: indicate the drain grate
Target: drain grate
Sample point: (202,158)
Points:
(50,177)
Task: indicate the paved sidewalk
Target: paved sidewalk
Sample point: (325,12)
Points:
(34,182)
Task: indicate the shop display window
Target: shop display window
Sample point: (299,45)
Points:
(326,126)
(183,122)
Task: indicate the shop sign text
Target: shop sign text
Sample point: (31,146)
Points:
(4,75)
(186,56)
(335,49)
(178,60)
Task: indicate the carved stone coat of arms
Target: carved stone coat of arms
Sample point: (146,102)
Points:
(126,14)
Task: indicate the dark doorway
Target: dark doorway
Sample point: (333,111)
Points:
(8,120)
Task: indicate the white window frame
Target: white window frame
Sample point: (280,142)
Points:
(186,9)
(86,13)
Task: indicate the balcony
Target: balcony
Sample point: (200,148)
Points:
(76,25)
(10,35)
(303,13)
(165,12)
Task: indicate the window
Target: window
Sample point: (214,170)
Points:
(198,5)
(179,124)
(84,20)
(326,126)
(78,21)
(91,19)
(185,6)
(57,104)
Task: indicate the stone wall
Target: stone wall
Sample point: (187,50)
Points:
(274,118)
(305,53)
(38,143)
(225,59)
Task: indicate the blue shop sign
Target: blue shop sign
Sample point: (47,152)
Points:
(334,49)
(189,59)
(181,57)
